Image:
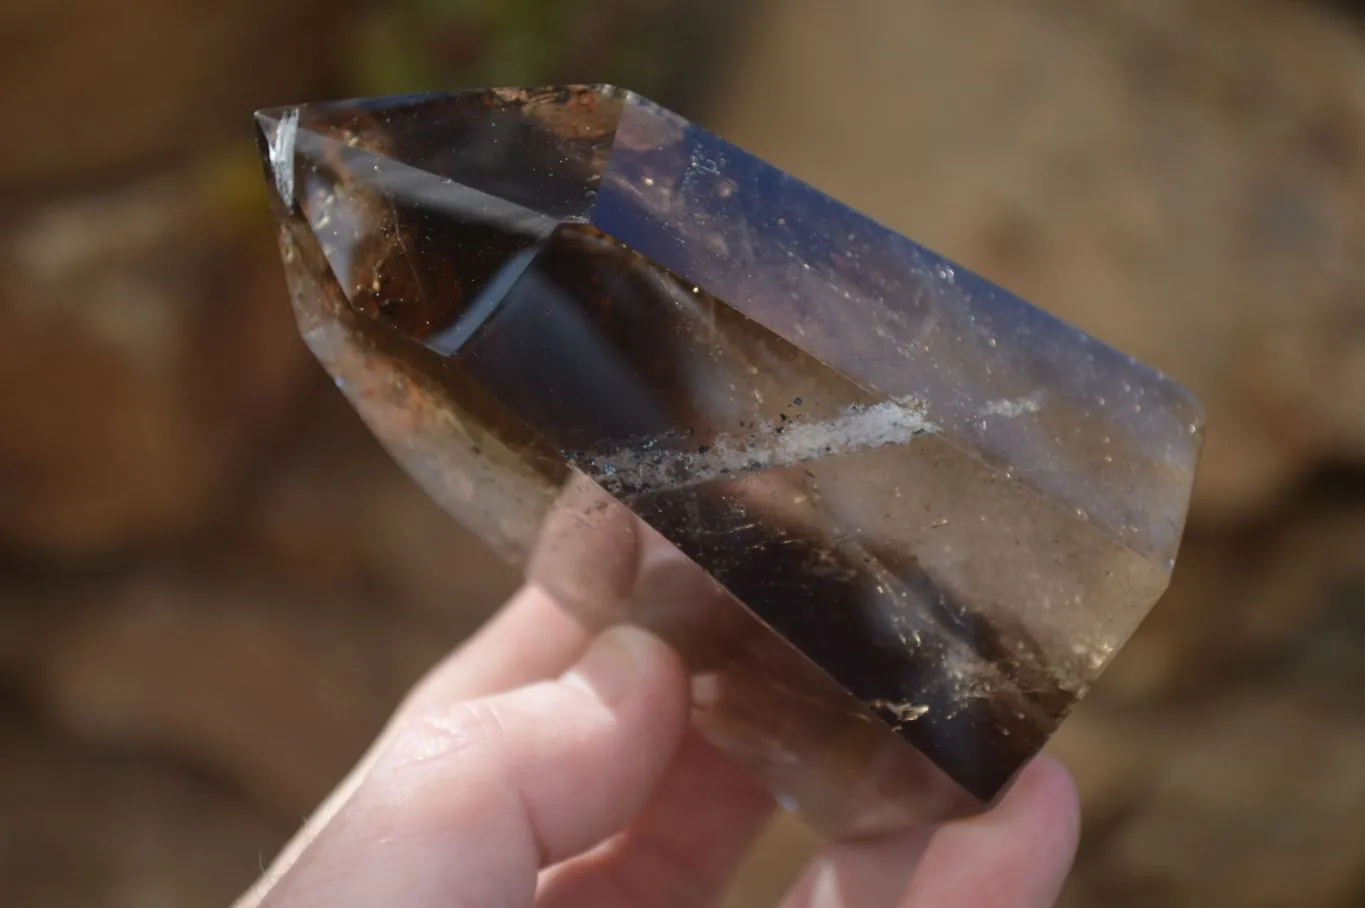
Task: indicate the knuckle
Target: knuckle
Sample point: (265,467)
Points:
(440,766)
(464,730)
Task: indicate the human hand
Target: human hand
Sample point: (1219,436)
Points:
(507,780)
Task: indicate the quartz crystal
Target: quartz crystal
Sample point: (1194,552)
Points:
(895,519)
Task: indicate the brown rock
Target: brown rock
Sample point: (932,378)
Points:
(98,88)
(336,515)
(1181,179)
(1185,639)
(1111,757)
(1253,802)
(1233,774)
(146,350)
(230,676)
(1245,605)
(84,827)
(1313,567)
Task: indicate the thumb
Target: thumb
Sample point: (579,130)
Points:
(471,800)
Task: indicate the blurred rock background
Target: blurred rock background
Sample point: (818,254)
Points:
(213,586)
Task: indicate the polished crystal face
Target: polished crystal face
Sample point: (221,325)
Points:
(911,516)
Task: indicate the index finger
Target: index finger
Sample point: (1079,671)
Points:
(587,550)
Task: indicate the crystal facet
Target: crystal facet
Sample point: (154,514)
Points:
(895,519)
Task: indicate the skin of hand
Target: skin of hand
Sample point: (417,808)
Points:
(538,765)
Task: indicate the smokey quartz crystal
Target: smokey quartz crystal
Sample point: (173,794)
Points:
(895,519)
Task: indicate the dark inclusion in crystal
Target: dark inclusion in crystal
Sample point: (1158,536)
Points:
(914,509)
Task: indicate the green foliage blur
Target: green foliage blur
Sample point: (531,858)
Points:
(419,45)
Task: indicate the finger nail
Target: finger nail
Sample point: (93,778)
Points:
(613,665)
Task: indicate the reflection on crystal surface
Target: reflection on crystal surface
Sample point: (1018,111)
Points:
(910,517)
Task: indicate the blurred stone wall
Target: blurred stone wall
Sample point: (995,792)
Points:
(213,585)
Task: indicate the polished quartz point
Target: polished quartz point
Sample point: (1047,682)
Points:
(895,519)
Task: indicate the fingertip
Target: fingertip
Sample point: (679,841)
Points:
(1050,792)
(584,753)
(530,639)
(587,554)
(473,797)
(626,661)
(1015,855)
